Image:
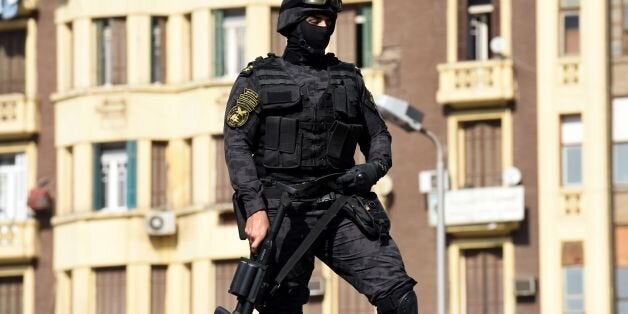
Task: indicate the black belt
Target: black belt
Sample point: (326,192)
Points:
(322,188)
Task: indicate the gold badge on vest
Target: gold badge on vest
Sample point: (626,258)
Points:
(246,103)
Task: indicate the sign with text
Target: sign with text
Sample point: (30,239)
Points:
(484,205)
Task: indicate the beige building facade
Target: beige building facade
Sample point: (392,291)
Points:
(139,110)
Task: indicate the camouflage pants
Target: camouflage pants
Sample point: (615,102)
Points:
(372,266)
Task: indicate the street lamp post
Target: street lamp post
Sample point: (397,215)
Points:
(410,119)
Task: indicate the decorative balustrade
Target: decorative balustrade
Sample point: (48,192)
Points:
(18,240)
(473,82)
(18,115)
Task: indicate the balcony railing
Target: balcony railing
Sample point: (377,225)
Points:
(18,240)
(473,82)
(18,115)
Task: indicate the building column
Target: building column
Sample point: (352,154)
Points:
(202,44)
(178,289)
(200,287)
(179,183)
(83,177)
(63,300)
(178,45)
(83,54)
(138,289)
(83,297)
(138,52)
(257,41)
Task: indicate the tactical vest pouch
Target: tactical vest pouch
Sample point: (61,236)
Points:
(368,213)
(282,145)
(344,106)
(343,140)
(280,97)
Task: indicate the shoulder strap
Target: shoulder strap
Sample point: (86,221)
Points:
(309,239)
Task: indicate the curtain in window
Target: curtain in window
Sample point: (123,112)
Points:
(158,286)
(482,153)
(484,281)
(11,295)
(111,290)
(219,44)
(12,64)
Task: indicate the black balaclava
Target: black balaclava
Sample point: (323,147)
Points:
(306,42)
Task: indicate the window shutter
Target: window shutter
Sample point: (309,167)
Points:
(495,21)
(463,30)
(219,38)
(278,42)
(100,56)
(97,177)
(367,37)
(118,51)
(346,37)
(131,166)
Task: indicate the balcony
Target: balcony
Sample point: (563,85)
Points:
(476,82)
(18,241)
(18,115)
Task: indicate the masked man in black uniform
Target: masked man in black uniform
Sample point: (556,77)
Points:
(299,118)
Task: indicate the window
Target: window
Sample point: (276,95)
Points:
(620,141)
(482,142)
(571,150)
(159,175)
(230,37)
(11,295)
(13,186)
(110,51)
(110,290)
(115,176)
(621,290)
(158,289)
(573,283)
(482,25)
(12,65)
(624,27)
(223,184)
(354,31)
(158,49)
(569,27)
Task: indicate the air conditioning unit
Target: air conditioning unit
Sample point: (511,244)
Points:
(161,223)
(525,286)
(316,286)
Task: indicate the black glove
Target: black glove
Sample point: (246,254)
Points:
(360,178)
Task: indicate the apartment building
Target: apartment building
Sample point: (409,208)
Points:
(144,221)
(26,155)
(469,65)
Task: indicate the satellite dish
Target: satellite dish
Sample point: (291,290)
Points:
(511,176)
(498,45)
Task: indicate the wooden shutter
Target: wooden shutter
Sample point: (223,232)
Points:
(159,175)
(97,184)
(131,166)
(111,290)
(118,51)
(100,53)
(12,64)
(277,41)
(158,289)
(463,30)
(346,35)
(11,295)
(223,183)
(484,281)
(367,38)
(219,44)
(224,276)
(482,153)
(572,254)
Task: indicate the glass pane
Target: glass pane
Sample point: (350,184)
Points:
(571,36)
(575,304)
(573,281)
(572,165)
(622,307)
(620,162)
(569,3)
(621,282)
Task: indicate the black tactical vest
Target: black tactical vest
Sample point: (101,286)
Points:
(296,133)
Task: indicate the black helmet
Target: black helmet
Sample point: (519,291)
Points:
(292,12)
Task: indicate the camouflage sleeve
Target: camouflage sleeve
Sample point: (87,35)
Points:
(240,130)
(375,140)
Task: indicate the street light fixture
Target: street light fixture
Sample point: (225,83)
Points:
(401,113)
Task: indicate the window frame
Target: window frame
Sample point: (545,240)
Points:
(568,121)
(566,11)
(17,177)
(569,296)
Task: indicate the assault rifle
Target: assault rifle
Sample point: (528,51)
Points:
(248,280)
